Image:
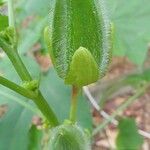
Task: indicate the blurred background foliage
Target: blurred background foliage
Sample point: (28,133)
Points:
(131,39)
(131,22)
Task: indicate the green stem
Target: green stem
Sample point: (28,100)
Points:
(38,99)
(11,13)
(13,86)
(73,110)
(46,110)
(16,61)
(121,108)
(25,76)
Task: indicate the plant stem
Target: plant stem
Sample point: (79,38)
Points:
(38,99)
(46,110)
(25,76)
(11,13)
(73,110)
(121,108)
(16,61)
(13,86)
(23,73)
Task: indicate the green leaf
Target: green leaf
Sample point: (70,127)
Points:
(38,11)
(15,124)
(13,98)
(31,35)
(43,7)
(72,30)
(3,22)
(35,136)
(128,136)
(2,2)
(36,8)
(132,28)
(14,127)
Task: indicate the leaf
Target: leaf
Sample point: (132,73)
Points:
(2,2)
(14,127)
(38,11)
(30,36)
(41,8)
(15,124)
(3,22)
(128,136)
(132,28)
(23,103)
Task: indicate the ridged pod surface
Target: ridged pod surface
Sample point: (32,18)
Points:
(68,137)
(80,41)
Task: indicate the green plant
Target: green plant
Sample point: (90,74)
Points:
(79,40)
(128,129)
(83,63)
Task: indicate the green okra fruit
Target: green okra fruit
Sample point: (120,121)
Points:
(68,137)
(80,41)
